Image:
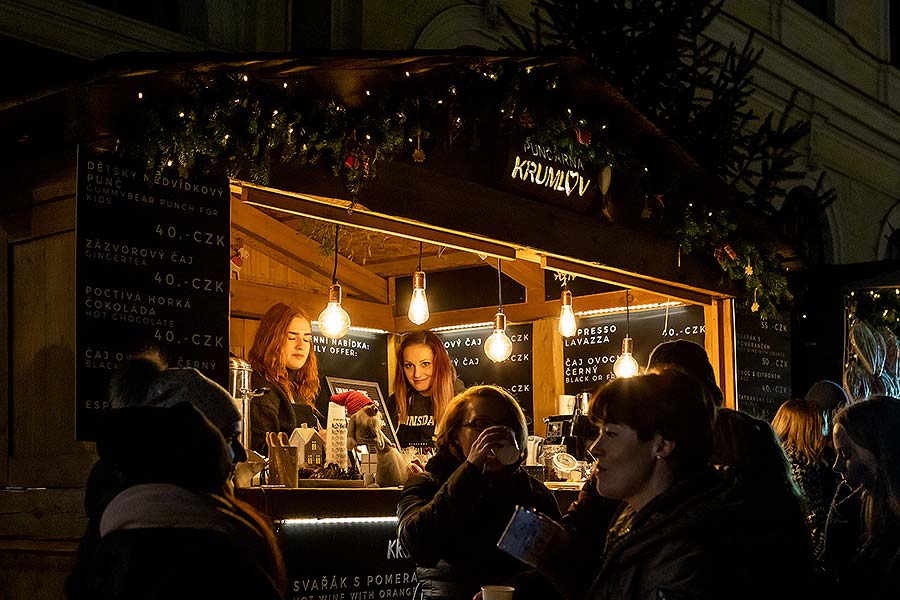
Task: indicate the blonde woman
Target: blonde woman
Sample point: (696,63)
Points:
(800,427)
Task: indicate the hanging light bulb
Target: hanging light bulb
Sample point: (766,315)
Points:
(334,322)
(418,304)
(625,365)
(498,346)
(568,325)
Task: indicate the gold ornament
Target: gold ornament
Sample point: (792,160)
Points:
(748,270)
(605,179)
(755,306)
(418,154)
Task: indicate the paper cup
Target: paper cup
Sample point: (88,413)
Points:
(497,592)
(529,535)
(565,405)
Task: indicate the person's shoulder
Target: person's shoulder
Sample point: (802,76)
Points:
(417,482)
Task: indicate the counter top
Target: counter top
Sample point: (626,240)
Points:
(323,503)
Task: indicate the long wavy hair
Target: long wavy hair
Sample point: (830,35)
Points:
(799,424)
(873,424)
(443,374)
(266,357)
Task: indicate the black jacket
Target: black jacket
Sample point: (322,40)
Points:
(133,444)
(712,536)
(451,518)
(273,411)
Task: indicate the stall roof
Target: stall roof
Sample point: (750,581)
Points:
(80,107)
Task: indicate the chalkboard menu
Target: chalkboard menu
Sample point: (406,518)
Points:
(590,354)
(763,363)
(466,350)
(358,355)
(151,270)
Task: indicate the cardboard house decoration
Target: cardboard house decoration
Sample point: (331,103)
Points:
(310,446)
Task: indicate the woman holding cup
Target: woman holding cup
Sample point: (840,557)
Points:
(452,515)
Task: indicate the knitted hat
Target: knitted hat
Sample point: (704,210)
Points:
(691,358)
(827,395)
(352,400)
(190,385)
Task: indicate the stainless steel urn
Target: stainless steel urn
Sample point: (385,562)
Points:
(239,372)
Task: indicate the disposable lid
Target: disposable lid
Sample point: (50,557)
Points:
(564,462)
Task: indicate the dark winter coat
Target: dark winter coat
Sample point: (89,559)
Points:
(165,541)
(451,518)
(709,537)
(274,411)
(137,447)
(873,573)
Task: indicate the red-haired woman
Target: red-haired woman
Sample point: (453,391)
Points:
(283,361)
(424,383)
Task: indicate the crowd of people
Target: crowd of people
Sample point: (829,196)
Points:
(687,499)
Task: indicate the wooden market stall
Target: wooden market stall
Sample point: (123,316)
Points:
(455,205)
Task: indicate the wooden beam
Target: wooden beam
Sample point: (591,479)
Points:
(533,311)
(449,259)
(528,274)
(254,299)
(608,275)
(308,207)
(303,254)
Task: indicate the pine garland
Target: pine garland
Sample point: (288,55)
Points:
(697,91)
(230,120)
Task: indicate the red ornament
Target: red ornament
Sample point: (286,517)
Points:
(583,136)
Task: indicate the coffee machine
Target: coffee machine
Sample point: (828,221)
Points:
(574,431)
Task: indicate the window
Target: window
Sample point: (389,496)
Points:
(824,9)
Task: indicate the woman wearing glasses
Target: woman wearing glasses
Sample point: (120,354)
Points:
(452,515)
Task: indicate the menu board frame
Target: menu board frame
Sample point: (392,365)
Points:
(763,362)
(152,273)
(337,385)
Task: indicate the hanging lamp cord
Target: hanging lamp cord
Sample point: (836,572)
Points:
(499,288)
(334,273)
(627,314)
(419,266)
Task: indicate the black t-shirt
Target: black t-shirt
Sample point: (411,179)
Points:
(418,428)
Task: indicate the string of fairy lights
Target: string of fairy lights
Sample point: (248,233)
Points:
(230,120)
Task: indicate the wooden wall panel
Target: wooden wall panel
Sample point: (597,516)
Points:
(547,370)
(243,331)
(42,309)
(4,357)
